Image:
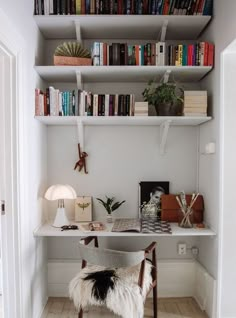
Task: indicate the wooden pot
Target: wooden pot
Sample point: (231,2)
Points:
(73,61)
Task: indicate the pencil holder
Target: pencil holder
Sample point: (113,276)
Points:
(186,218)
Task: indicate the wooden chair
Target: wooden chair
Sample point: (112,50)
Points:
(109,267)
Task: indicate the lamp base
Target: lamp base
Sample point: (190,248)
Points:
(61,218)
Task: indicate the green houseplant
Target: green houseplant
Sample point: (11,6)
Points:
(167,98)
(110,206)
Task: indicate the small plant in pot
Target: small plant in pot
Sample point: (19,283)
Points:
(167,98)
(110,206)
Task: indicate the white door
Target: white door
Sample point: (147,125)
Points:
(8,186)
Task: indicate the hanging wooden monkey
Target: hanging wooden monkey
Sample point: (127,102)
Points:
(81,163)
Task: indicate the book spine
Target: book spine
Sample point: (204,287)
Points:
(96,53)
(205,62)
(208,7)
(37,109)
(95,105)
(101,53)
(115,53)
(107,98)
(47,102)
(210,54)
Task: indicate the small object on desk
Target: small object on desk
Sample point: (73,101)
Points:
(92,226)
(200,226)
(83,209)
(96,226)
(60,192)
(110,206)
(69,227)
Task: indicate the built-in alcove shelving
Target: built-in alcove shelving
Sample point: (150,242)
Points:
(177,27)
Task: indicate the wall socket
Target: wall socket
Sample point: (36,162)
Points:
(182,248)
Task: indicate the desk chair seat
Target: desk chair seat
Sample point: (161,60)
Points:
(120,282)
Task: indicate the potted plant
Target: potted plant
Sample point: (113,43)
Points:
(167,98)
(72,53)
(110,206)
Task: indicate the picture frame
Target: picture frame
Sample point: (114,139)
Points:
(83,209)
(150,197)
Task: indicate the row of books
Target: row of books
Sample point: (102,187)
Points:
(125,54)
(160,54)
(54,102)
(154,7)
(106,104)
(198,54)
(195,103)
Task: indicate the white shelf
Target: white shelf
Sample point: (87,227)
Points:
(122,26)
(121,73)
(47,230)
(122,121)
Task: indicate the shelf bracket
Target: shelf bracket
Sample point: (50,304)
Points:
(164,128)
(79,80)
(78,31)
(80,130)
(166,76)
(163,31)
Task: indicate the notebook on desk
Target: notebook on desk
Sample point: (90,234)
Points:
(144,225)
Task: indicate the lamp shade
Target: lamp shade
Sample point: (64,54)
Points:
(60,191)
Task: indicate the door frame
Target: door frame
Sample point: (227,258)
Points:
(11,48)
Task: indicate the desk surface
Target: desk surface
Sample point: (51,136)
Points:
(47,230)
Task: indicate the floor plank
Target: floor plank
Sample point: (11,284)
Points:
(167,308)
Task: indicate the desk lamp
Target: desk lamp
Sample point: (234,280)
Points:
(60,192)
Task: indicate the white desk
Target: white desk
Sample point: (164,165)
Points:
(46,230)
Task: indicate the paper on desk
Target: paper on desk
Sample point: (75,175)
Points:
(92,226)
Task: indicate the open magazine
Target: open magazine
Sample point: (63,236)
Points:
(144,225)
(127,225)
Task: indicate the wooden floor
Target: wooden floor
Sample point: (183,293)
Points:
(167,308)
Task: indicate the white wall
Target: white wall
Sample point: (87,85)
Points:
(228,173)
(102,143)
(222,31)
(34,291)
(120,157)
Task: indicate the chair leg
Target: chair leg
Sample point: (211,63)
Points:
(80,314)
(155,301)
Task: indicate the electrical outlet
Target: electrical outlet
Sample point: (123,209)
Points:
(195,250)
(182,249)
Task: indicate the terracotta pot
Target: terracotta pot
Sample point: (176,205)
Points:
(73,61)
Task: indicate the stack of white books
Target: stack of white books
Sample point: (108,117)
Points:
(141,109)
(195,103)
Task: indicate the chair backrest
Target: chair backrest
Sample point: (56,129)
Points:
(108,257)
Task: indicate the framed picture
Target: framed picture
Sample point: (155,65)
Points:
(150,193)
(83,209)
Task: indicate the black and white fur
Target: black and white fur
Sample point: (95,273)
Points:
(117,289)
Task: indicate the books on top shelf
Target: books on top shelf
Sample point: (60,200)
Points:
(154,7)
(195,103)
(54,102)
(141,109)
(160,54)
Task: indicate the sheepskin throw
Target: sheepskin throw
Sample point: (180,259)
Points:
(117,289)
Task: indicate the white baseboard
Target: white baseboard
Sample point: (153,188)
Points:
(176,278)
(205,290)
